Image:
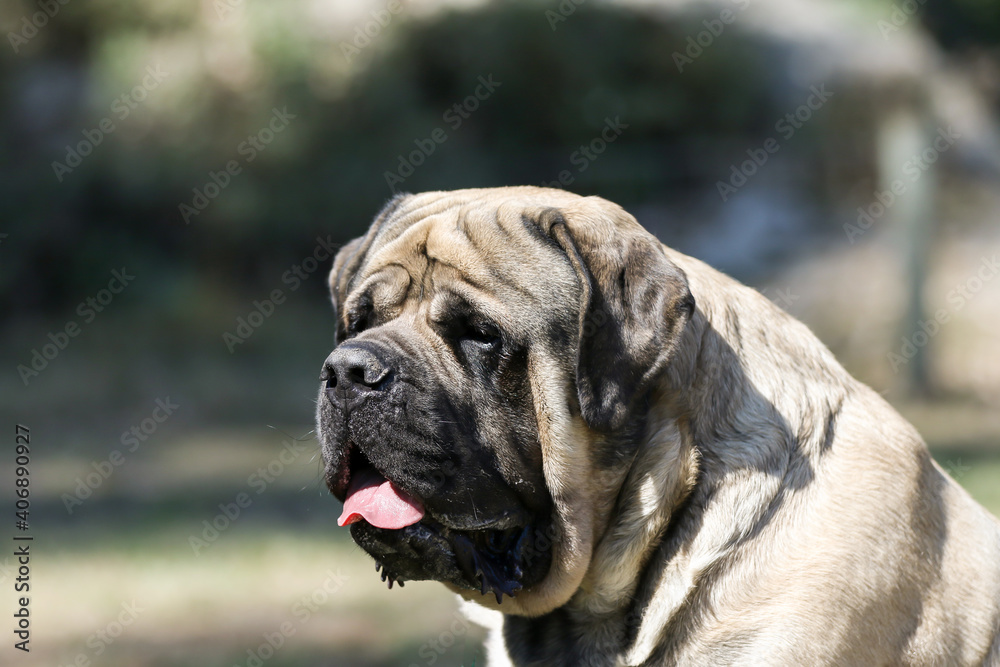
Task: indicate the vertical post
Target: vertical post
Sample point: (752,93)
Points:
(905,134)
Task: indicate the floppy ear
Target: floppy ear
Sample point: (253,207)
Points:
(634,307)
(344,268)
(350,258)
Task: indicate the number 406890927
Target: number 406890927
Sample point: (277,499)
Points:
(22,453)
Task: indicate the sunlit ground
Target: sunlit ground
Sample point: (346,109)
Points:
(288,596)
(281,585)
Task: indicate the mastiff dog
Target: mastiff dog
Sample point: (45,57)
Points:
(620,456)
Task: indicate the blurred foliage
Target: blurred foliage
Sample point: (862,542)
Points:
(964,24)
(353,115)
(353,121)
(229,65)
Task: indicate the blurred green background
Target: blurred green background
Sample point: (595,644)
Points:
(841,156)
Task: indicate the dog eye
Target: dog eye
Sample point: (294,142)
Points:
(359,319)
(357,325)
(482,333)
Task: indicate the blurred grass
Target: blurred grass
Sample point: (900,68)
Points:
(130,541)
(965,440)
(324,176)
(213,608)
(978,472)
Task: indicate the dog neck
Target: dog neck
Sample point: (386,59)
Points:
(721,449)
(721,453)
(755,438)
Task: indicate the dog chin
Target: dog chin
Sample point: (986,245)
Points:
(501,561)
(413,538)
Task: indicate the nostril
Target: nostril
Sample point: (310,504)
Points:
(357,375)
(351,371)
(367,374)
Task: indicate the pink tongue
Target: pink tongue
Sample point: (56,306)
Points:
(377,500)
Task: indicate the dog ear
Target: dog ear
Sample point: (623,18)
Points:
(349,260)
(345,267)
(634,307)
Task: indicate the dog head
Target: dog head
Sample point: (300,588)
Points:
(494,349)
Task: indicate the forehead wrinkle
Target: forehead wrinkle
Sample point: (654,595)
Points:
(484,244)
(481,301)
(448,241)
(418,208)
(481,227)
(488,284)
(385,287)
(400,252)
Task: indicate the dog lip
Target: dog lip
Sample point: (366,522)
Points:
(338,477)
(501,562)
(509,520)
(351,459)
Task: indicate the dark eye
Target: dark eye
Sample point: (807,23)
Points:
(482,333)
(357,325)
(359,320)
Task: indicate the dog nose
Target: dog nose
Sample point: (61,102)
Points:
(351,371)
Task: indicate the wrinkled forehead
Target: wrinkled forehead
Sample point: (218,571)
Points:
(489,254)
